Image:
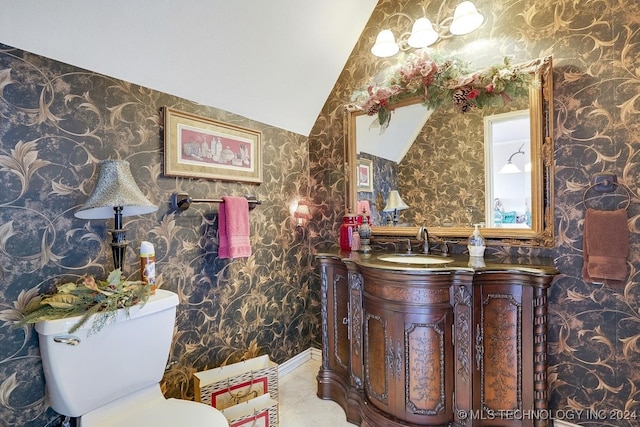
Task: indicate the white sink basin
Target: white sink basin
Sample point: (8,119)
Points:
(415,259)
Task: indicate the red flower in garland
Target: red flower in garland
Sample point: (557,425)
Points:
(473,94)
(378,98)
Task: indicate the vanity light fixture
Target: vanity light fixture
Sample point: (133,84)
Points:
(395,204)
(424,33)
(115,194)
(509,167)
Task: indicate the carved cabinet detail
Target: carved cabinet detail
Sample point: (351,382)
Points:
(336,346)
(444,347)
(408,349)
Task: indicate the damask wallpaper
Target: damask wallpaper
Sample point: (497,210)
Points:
(57,122)
(594,355)
(449,156)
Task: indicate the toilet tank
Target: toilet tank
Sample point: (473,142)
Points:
(86,370)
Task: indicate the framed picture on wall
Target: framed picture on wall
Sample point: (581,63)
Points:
(199,147)
(365,175)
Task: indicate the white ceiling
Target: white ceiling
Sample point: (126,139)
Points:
(272,61)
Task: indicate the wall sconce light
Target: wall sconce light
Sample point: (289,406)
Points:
(424,33)
(302,214)
(395,204)
(509,167)
(115,194)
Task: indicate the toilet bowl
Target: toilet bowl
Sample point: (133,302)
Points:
(112,377)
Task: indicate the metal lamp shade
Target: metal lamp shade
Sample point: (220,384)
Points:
(116,195)
(115,187)
(394,202)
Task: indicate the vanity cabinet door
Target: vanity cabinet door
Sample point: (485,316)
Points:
(336,327)
(409,363)
(503,315)
(426,380)
(379,351)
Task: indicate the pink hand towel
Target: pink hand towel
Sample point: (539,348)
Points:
(605,246)
(233,228)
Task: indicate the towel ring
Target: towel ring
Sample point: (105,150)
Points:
(606,186)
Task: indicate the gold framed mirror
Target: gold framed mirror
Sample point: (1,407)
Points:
(441,177)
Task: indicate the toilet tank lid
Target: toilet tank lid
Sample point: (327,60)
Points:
(161,300)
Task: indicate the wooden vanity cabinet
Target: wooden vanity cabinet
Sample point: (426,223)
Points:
(446,347)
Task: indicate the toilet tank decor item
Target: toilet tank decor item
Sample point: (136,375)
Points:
(85,298)
(261,411)
(199,147)
(236,383)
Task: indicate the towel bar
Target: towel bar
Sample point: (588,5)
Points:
(606,183)
(183,201)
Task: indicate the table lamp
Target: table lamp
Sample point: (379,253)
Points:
(395,204)
(115,194)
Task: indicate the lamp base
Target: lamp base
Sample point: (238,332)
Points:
(396,218)
(118,248)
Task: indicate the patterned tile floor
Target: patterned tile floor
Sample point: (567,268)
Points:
(298,404)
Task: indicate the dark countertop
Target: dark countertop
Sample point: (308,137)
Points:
(538,266)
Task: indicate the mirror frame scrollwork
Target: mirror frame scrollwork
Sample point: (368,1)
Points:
(541,233)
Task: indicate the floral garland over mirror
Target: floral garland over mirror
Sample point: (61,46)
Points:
(436,79)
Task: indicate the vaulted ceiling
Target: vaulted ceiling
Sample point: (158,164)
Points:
(273,61)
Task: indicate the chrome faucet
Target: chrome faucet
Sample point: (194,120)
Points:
(423,235)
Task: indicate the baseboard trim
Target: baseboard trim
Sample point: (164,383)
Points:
(299,360)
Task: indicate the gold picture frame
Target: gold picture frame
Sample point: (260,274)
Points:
(199,147)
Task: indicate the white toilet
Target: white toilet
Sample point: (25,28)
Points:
(111,377)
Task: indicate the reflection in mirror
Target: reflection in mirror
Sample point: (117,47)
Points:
(507,158)
(449,177)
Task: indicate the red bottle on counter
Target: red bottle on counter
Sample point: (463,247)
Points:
(347,228)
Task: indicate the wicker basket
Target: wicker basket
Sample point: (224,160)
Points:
(233,384)
(261,411)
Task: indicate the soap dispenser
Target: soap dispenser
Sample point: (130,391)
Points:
(476,243)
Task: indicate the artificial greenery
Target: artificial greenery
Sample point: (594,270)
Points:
(436,79)
(86,298)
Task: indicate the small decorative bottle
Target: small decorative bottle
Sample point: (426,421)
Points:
(355,241)
(148,265)
(365,234)
(476,243)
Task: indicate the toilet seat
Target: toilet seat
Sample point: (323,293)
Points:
(149,408)
(172,413)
